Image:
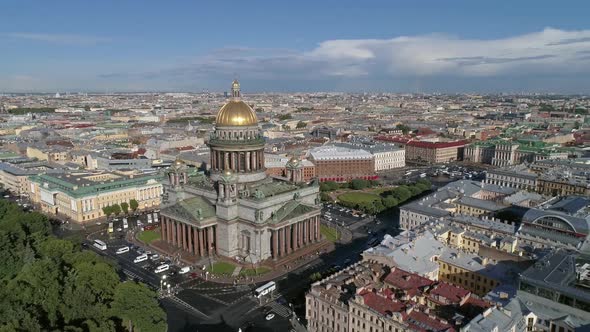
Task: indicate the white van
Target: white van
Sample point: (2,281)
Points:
(184,270)
(140,258)
(125,223)
(162,268)
(122,250)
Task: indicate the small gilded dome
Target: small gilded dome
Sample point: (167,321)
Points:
(236,113)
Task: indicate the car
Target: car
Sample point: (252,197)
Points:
(98,223)
(184,270)
(155,257)
(119,229)
(270,316)
(281,300)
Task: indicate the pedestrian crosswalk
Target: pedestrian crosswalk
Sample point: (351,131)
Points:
(280,309)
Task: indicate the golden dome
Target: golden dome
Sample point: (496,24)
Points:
(236,113)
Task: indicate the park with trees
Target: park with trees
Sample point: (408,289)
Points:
(367,196)
(51,284)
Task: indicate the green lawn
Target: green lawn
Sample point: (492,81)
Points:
(330,233)
(252,272)
(148,236)
(358,197)
(222,268)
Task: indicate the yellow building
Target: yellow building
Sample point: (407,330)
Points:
(81,197)
(468,271)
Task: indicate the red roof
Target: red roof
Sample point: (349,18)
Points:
(381,303)
(451,292)
(436,145)
(419,321)
(407,281)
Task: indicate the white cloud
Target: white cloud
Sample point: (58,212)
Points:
(58,38)
(550,51)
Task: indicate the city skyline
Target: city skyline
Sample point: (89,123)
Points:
(331,46)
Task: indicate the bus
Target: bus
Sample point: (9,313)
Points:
(111,228)
(99,244)
(155,214)
(125,223)
(265,289)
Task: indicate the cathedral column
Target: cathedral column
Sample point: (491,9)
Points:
(169,229)
(297,245)
(212,160)
(178,234)
(173,233)
(261,159)
(301,234)
(275,244)
(280,242)
(191,244)
(288,238)
(162,229)
(196,241)
(318,229)
(181,243)
(225,161)
(247,157)
(210,240)
(284,238)
(310,230)
(201,240)
(304,232)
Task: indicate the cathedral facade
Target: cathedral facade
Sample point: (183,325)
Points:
(237,211)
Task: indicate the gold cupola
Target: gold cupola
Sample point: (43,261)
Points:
(236,112)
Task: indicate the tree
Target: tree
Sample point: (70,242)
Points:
(116,209)
(390,201)
(359,184)
(329,186)
(283,117)
(325,197)
(401,193)
(301,125)
(133,205)
(49,284)
(286,127)
(107,210)
(405,129)
(125,207)
(138,306)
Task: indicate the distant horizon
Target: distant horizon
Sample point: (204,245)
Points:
(425,46)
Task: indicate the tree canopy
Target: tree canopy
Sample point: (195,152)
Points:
(49,284)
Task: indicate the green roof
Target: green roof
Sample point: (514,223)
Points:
(274,188)
(86,187)
(290,210)
(192,209)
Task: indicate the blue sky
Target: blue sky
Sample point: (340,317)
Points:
(398,46)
